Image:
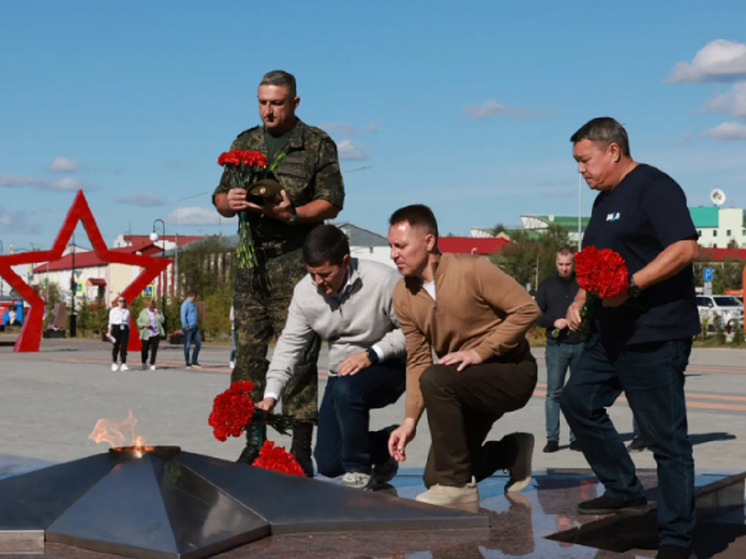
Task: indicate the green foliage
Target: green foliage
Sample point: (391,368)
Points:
(195,265)
(727,274)
(217,311)
(531,260)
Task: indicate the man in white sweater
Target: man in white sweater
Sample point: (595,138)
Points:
(348,303)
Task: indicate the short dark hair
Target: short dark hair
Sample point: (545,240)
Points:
(280,77)
(191,292)
(325,243)
(565,251)
(603,130)
(417,215)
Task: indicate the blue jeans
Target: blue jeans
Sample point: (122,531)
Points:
(233,345)
(343,441)
(191,336)
(652,376)
(559,357)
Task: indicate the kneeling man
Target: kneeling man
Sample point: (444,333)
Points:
(474,317)
(347,302)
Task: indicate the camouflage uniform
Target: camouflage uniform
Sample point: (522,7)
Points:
(309,171)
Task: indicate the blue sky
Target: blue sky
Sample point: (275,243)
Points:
(466,106)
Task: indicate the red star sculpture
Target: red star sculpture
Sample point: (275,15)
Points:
(30,337)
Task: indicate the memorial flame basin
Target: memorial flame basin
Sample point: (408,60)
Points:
(161,501)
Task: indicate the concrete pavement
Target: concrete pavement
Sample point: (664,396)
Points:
(51,400)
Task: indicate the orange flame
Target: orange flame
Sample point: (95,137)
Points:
(117,434)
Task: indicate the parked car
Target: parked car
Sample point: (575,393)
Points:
(725,309)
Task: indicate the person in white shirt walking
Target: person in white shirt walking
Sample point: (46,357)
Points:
(119,329)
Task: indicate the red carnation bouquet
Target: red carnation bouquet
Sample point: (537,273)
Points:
(233,411)
(603,274)
(244,168)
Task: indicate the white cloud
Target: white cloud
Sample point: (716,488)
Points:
(487,109)
(65,183)
(718,61)
(194,215)
(63,164)
(350,149)
(13,181)
(732,103)
(726,132)
(141,198)
(15,222)
(345,128)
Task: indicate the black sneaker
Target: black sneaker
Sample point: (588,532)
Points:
(575,445)
(385,471)
(551,446)
(638,444)
(606,504)
(675,552)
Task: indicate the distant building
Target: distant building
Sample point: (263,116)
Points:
(719,227)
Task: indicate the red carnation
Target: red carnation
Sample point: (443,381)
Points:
(232,410)
(277,459)
(601,272)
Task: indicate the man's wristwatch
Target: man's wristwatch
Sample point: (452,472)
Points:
(293,215)
(634,290)
(372,356)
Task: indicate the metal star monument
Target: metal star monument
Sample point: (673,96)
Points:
(30,336)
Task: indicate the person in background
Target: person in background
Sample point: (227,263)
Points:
(150,325)
(190,330)
(119,329)
(563,346)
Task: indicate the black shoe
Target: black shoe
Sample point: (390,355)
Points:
(606,504)
(256,434)
(675,552)
(638,444)
(551,446)
(575,445)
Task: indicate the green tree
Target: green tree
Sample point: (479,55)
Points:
(519,258)
(197,265)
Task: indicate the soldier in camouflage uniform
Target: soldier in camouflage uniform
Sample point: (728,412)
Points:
(304,160)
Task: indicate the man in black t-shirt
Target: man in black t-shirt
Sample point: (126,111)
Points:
(641,339)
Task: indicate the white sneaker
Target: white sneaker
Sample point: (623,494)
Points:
(152,367)
(520,471)
(232,365)
(114,367)
(447,495)
(357,480)
(124,367)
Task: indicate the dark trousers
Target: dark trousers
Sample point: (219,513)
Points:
(463,406)
(191,336)
(652,377)
(151,344)
(121,335)
(344,442)
(260,314)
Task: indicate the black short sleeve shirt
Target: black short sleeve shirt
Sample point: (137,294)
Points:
(639,218)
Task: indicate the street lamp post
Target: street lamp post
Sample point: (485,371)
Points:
(73,285)
(154,238)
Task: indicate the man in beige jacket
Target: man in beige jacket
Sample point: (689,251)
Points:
(475,318)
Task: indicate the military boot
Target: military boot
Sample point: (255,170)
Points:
(256,434)
(301,446)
